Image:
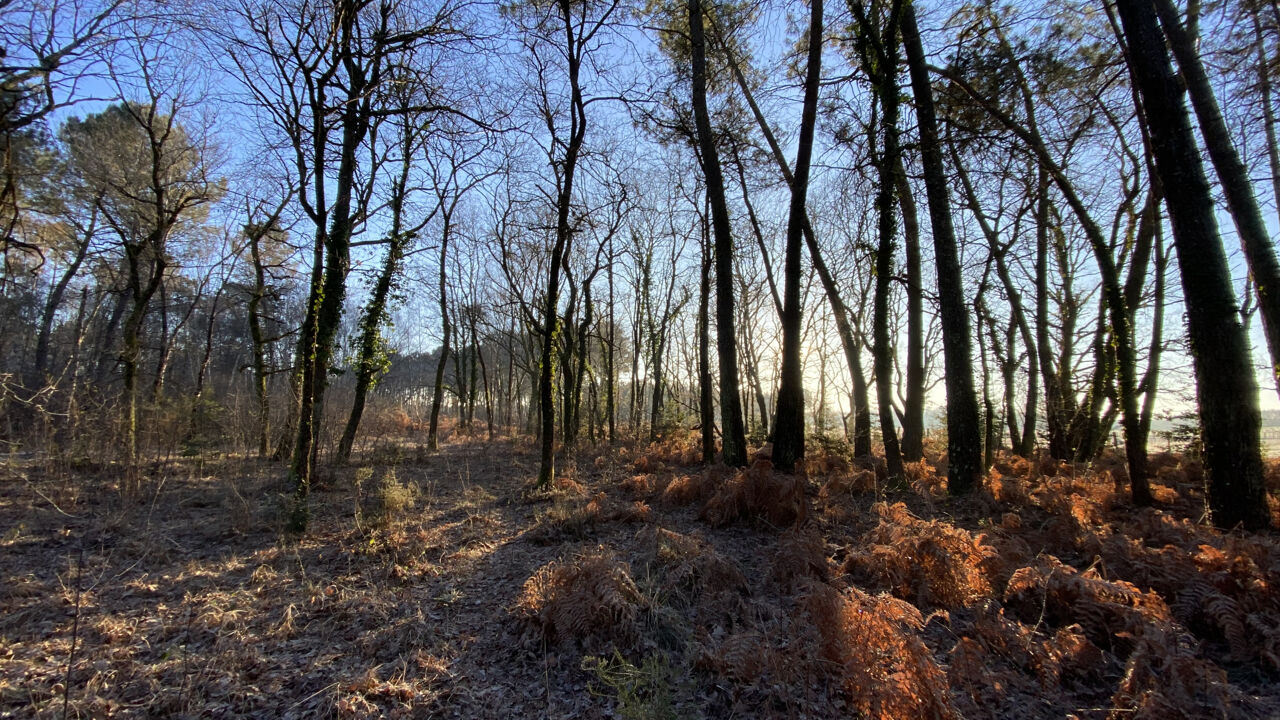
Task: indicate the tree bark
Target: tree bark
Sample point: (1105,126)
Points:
(40,364)
(734,433)
(848,341)
(706,411)
(913,402)
(446,328)
(563,238)
(1237,187)
(256,297)
(1226,389)
(964,440)
(369,345)
(788,430)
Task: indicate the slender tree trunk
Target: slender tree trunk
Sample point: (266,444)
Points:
(1024,440)
(207,355)
(1122,332)
(840,312)
(162,353)
(990,432)
(328,306)
(913,403)
(369,344)
(40,364)
(564,200)
(1056,410)
(259,344)
(1226,389)
(1273,145)
(105,359)
(488,395)
(964,441)
(446,329)
(734,434)
(132,341)
(706,411)
(882,350)
(755,224)
(788,430)
(610,349)
(1150,380)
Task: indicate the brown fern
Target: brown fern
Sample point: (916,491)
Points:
(1110,612)
(931,563)
(885,670)
(590,599)
(758,492)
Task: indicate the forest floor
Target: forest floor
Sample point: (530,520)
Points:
(641,586)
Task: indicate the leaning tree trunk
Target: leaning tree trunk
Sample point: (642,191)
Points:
(848,341)
(1237,187)
(368,364)
(1225,385)
(36,378)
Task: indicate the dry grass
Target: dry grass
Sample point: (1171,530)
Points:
(446,588)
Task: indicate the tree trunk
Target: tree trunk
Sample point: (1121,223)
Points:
(964,441)
(328,306)
(1273,144)
(913,403)
(369,346)
(1118,312)
(40,365)
(788,430)
(1226,389)
(610,408)
(1237,187)
(564,200)
(1023,441)
(734,434)
(850,344)
(141,295)
(259,344)
(437,386)
(882,350)
(207,355)
(706,409)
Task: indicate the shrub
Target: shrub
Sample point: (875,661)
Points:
(387,501)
